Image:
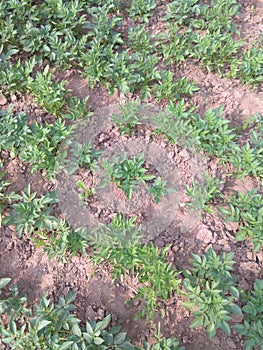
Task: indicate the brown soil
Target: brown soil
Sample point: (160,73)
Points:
(97,296)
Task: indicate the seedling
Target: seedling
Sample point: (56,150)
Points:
(127,174)
(159,189)
(86,192)
(204,193)
(129,118)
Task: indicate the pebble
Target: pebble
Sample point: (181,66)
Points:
(13,98)
(185,154)
(231,343)
(259,255)
(205,235)
(216,341)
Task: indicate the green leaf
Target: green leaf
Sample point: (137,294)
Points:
(225,326)
(197,322)
(119,339)
(241,235)
(98,340)
(42,324)
(234,291)
(103,324)
(76,330)
(4,282)
(189,305)
(236,309)
(12,326)
(66,345)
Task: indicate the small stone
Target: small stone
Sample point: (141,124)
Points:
(184,154)
(231,343)
(13,98)
(215,341)
(259,255)
(91,314)
(251,256)
(65,291)
(205,235)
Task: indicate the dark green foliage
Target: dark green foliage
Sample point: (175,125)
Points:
(212,291)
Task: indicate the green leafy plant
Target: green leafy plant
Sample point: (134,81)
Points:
(86,192)
(77,108)
(55,326)
(13,131)
(42,146)
(168,89)
(249,67)
(84,156)
(5,197)
(127,174)
(142,9)
(252,325)
(159,189)
(175,123)
(159,280)
(248,158)
(129,117)
(213,132)
(31,213)
(247,210)
(163,343)
(62,242)
(49,94)
(212,291)
(204,193)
